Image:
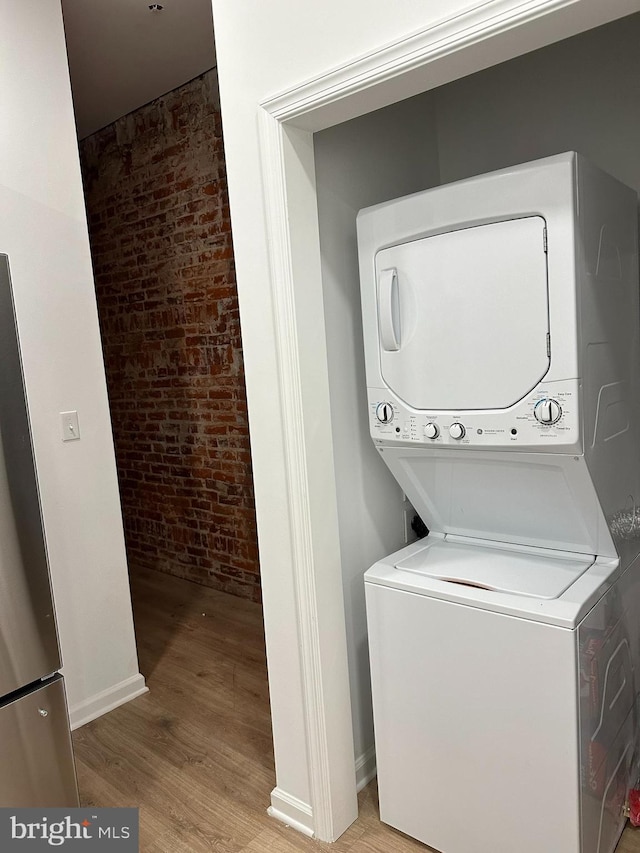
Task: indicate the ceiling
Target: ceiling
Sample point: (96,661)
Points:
(123,55)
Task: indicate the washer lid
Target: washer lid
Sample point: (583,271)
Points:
(518,571)
(463,316)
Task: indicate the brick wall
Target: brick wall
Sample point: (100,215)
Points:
(160,235)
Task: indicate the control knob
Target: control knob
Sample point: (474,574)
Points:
(457,431)
(547,411)
(384,413)
(431,430)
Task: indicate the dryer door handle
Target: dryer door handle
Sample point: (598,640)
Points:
(389,310)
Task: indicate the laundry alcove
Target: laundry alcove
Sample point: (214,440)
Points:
(579,94)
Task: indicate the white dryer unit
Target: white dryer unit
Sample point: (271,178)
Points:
(501,326)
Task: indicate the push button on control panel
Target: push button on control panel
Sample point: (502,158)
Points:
(431,430)
(457,431)
(547,411)
(384,413)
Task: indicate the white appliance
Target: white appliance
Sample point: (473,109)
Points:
(501,325)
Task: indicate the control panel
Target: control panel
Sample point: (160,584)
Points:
(547,416)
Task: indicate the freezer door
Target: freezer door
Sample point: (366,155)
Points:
(463,317)
(28,642)
(36,760)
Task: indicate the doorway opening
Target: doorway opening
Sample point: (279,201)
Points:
(152,159)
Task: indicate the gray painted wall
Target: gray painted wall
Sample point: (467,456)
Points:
(377,157)
(582,94)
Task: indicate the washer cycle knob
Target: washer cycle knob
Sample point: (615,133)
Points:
(431,430)
(547,411)
(384,413)
(457,431)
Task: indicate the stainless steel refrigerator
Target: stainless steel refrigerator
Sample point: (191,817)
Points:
(36,759)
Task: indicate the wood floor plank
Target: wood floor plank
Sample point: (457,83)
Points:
(195,754)
(630,841)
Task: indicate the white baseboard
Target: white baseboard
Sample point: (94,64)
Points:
(365,768)
(298,814)
(292,811)
(107,700)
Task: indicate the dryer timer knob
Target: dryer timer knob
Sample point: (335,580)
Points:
(547,411)
(457,431)
(384,413)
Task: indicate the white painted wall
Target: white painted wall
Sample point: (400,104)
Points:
(310,39)
(251,68)
(262,50)
(43,230)
(367,160)
(253,65)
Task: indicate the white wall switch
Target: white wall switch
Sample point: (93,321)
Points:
(70,426)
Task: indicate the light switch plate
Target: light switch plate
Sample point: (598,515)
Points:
(70,426)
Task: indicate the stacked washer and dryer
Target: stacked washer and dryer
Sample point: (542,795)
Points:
(501,324)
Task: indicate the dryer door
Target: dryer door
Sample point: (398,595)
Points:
(463,317)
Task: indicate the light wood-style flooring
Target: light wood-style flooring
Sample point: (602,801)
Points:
(195,754)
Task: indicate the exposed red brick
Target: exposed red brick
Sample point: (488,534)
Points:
(160,231)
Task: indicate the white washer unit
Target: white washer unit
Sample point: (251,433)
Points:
(501,325)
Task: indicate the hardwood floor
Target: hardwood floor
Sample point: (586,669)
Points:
(195,754)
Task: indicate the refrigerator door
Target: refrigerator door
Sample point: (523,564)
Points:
(28,641)
(36,761)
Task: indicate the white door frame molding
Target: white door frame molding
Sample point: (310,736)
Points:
(486,34)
